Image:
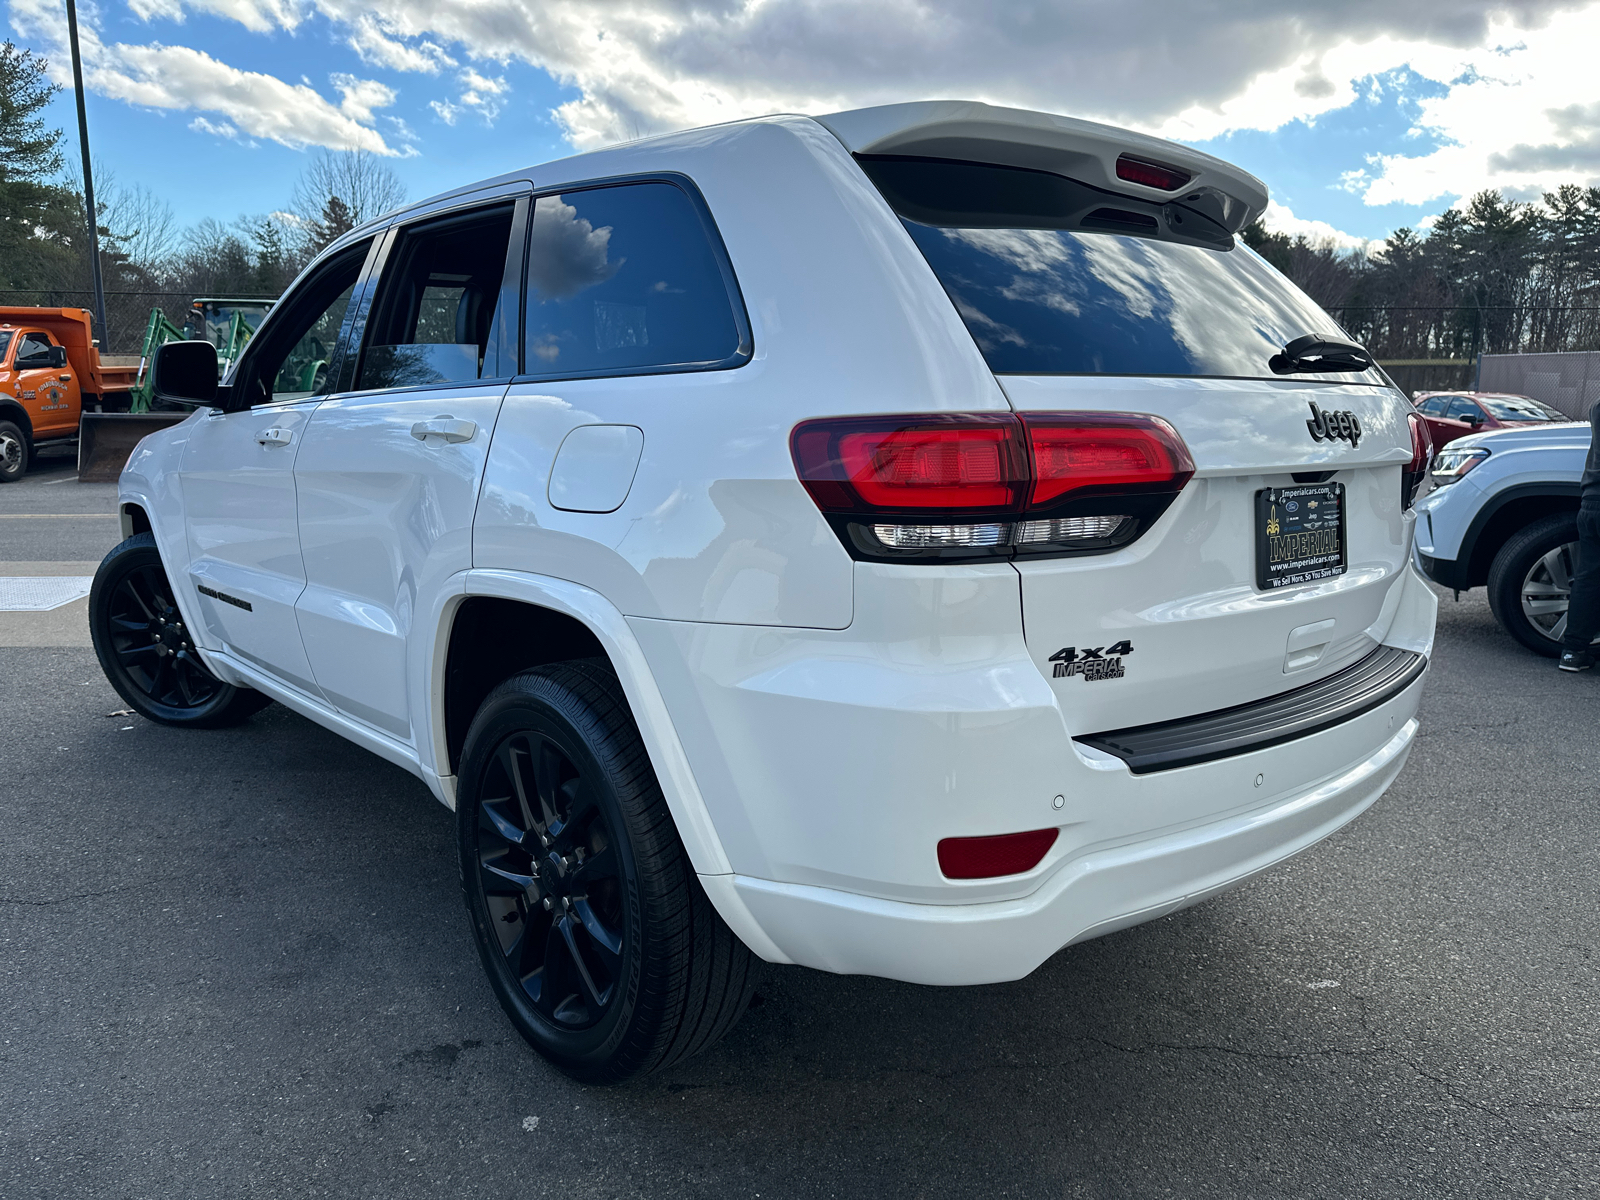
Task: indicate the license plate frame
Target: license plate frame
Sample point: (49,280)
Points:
(1300,512)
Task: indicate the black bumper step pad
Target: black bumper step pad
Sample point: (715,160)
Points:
(1379,677)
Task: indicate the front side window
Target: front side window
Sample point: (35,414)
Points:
(1054,277)
(433,321)
(625,279)
(292,357)
(33,351)
(1463,409)
(5,342)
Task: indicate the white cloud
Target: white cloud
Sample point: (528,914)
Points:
(179,78)
(215,129)
(1279,219)
(1517,109)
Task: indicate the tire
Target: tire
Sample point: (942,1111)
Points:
(13,452)
(596,936)
(1529,582)
(145,649)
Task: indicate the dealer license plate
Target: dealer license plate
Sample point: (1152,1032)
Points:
(1299,534)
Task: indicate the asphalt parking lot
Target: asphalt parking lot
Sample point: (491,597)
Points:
(236,963)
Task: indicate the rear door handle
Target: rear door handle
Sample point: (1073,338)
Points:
(446,427)
(276,436)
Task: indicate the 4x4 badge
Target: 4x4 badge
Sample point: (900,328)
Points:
(1330,426)
(1093,662)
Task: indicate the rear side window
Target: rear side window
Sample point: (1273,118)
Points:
(1433,406)
(1054,277)
(624,280)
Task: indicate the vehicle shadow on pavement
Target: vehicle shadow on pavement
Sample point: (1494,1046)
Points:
(239,964)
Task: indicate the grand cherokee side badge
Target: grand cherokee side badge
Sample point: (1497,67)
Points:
(1094,663)
(1330,426)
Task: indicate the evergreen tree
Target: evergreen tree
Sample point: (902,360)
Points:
(39,219)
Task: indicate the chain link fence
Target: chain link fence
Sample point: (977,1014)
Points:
(127,313)
(1569,382)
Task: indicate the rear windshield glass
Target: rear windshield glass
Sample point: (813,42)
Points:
(1052,280)
(1501,408)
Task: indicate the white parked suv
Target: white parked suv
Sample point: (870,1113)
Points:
(903,542)
(1508,521)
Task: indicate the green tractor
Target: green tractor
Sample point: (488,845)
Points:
(226,322)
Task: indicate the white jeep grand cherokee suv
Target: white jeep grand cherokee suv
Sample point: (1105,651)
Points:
(903,542)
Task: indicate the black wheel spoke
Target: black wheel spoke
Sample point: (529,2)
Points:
(580,809)
(547,778)
(499,823)
(136,654)
(569,939)
(513,761)
(607,942)
(553,985)
(503,878)
(603,864)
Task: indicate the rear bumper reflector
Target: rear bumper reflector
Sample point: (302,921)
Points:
(1379,677)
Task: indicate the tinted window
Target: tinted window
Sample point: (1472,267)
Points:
(1521,408)
(433,319)
(33,351)
(1462,409)
(1053,277)
(1433,406)
(5,342)
(625,279)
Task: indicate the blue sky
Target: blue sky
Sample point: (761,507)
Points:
(1360,117)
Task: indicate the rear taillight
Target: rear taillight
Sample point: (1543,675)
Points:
(1151,174)
(1421,453)
(979,485)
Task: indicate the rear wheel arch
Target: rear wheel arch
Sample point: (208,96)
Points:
(492,639)
(1499,521)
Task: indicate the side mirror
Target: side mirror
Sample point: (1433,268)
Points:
(1475,420)
(185,373)
(58,356)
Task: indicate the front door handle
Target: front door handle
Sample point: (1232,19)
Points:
(276,436)
(446,427)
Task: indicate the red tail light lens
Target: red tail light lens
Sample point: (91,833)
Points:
(888,464)
(981,485)
(1421,454)
(1109,451)
(1151,174)
(987,857)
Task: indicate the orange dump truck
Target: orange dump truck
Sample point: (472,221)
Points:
(51,376)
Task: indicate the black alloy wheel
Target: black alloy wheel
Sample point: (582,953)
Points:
(552,880)
(146,649)
(596,936)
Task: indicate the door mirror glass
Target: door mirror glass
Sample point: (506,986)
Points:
(185,373)
(58,356)
(433,320)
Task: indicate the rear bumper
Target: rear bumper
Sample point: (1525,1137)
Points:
(1101,890)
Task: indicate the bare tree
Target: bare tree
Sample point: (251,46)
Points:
(139,225)
(339,190)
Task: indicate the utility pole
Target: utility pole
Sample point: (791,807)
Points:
(88,176)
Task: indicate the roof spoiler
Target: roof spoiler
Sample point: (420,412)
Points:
(1015,137)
